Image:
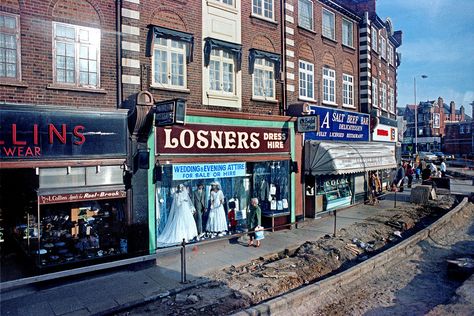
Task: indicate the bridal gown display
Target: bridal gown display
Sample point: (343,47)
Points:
(217,221)
(181,222)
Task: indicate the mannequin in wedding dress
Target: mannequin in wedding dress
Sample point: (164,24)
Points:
(181,222)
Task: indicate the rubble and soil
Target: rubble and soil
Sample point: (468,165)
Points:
(235,288)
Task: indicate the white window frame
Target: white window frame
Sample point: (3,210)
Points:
(375,92)
(265,68)
(221,59)
(169,49)
(77,45)
(16,34)
(390,54)
(374,32)
(383,96)
(347,90)
(226,2)
(329,82)
(348,39)
(300,23)
(260,5)
(331,28)
(383,47)
(391,102)
(303,80)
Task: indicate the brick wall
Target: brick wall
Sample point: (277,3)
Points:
(36,17)
(186,16)
(313,47)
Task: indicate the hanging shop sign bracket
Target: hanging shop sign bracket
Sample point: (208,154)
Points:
(170,112)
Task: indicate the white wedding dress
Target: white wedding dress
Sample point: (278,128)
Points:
(216,222)
(181,222)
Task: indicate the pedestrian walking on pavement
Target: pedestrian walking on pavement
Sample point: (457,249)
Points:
(443,168)
(254,219)
(400,176)
(409,173)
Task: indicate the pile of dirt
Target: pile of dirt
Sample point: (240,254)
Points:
(236,288)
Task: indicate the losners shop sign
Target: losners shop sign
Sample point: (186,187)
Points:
(212,139)
(30,133)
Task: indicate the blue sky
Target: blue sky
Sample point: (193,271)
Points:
(438,41)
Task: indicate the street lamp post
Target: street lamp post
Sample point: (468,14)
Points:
(416,113)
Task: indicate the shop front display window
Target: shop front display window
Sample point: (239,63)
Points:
(73,232)
(336,191)
(202,201)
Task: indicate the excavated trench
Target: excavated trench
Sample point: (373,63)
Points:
(235,288)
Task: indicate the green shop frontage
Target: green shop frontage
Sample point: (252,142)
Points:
(206,171)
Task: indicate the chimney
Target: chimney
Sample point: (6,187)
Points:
(461,111)
(452,111)
(440,102)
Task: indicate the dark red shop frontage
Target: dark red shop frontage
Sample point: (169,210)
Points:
(63,198)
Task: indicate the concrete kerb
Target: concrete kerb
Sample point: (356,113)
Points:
(387,258)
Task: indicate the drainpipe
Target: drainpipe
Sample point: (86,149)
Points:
(118,21)
(283,57)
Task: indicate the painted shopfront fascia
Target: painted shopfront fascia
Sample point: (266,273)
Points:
(219,121)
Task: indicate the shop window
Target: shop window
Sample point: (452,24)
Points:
(50,226)
(9,47)
(196,217)
(76,55)
(336,191)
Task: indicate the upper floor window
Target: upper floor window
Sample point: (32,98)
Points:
(306,80)
(263,79)
(347,33)
(305,14)
(383,47)
(375,92)
(347,90)
(222,72)
(328,24)
(383,96)
(76,55)
(169,63)
(9,47)
(390,56)
(391,103)
(329,85)
(263,8)
(375,39)
(228,2)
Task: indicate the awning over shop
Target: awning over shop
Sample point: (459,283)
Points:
(343,158)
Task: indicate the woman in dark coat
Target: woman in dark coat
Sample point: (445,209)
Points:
(254,219)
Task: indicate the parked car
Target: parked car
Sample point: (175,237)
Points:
(427,156)
(440,155)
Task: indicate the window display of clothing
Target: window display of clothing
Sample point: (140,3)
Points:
(180,222)
(199,201)
(217,222)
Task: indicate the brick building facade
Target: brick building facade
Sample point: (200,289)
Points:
(34,79)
